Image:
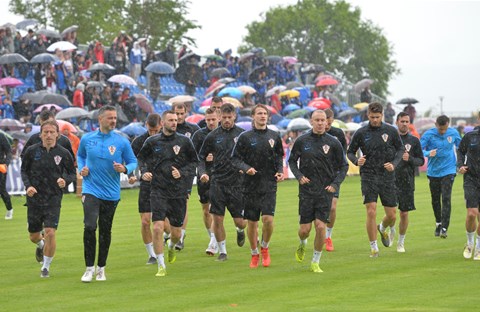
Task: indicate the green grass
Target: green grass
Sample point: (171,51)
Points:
(431,276)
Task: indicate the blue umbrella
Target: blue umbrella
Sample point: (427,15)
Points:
(134,129)
(290,108)
(44,58)
(244,119)
(231,92)
(245,125)
(275,118)
(160,68)
(283,123)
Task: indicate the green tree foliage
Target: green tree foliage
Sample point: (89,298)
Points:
(331,34)
(163,21)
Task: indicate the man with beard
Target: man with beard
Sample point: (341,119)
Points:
(167,159)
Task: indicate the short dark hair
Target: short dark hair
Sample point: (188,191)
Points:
(45,115)
(317,111)
(227,108)
(260,106)
(50,123)
(165,113)
(328,112)
(105,108)
(179,105)
(375,107)
(442,120)
(211,110)
(217,99)
(402,114)
(153,120)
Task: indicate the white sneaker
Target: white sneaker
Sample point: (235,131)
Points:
(468,252)
(392,237)
(400,248)
(9,215)
(100,276)
(88,275)
(212,249)
(476,254)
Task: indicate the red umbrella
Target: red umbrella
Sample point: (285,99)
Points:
(320,103)
(47,106)
(214,87)
(325,80)
(207,102)
(10,82)
(271,109)
(195,118)
(144,103)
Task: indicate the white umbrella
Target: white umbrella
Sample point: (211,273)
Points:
(62,45)
(362,84)
(71,112)
(123,79)
(299,124)
(182,99)
(273,90)
(352,126)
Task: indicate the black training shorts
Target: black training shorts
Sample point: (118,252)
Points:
(39,217)
(311,208)
(259,204)
(172,208)
(222,197)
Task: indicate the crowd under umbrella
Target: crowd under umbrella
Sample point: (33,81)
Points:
(44,58)
(253,75)
(182,99)
(71,112)
(290,60)
(325,80)
(290,93)
(10,82)
(226,80)
(299,124)
(144,103)
(101,67)
(62,46)
(160,68)
(290,108)
(216,86)
(219,72)
(12,58)
(274,59)
(274,90)
(29,22)
(350,112)
(69,30)
(407,100)
(122,79)
(233,101)
(231,92)
(134,129)
(320,103)
(49,33)
(45,97)
(189,58)
(362,84)
(293,84)
(247,89)
(186,72)
(11,124)
(47,106)
(95,84)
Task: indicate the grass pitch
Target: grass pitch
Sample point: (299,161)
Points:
(431,276)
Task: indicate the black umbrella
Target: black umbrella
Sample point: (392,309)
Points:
(45,97)
(101,67)
(69,29)
(187,72)
(160,68)
(407,100)
(43,58)
(49,33)
(293,84)
(253,75)
(26,23)
(95,84)
(347,113)
(12,58)
(220,72)
(274,58)
(189,58)
(312,69)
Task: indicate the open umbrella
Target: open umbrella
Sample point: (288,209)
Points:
(347,113)
(101,67)
(26,23)
(312,69)
(293,84)
(207,102)
(134,129)
(71,112)
(45,97)
(187,72)
(290,59)
(220,72)
(195,118)
(226,80)
(189,58)
(290,93)
(214,87)
(49,33)
(247,89)
(325,80)
(20,135)
(11,124)
(62,124)
(424,121)
(95,84)
(299,124)
(214,57)
(62,46)
(290,108)
(362,84)
(352,126)
(283,123)
(44,58)
(144,103)
(69,29)
(232,92)
(339,124)
(360,106)
(253,75)
(10,82)
(299,113)
(12,58)
(123,79)
(160,68)
(232,101)
(320,103)
(273,90)
(274,58)
(246,56)
(407,100)
(47,106)
(181,99)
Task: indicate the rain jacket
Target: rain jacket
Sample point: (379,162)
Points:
(98,151)
(405,171)
(35,138)
(468,154)
(444,162)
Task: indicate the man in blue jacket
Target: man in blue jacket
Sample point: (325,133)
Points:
(438,145)
(101,157)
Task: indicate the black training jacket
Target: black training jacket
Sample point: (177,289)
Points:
(468,154)
(322,160)
(262,150)
(405,171)
(62,141)
(338,133)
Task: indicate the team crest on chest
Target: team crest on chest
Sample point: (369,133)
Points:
(188,134)
(57,159)
(272,142)
(449,139)
(385,137)
(408,147)
(112,149)
(326,148)
(176,149)
(235,139)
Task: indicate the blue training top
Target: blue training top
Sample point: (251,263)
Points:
(444,162)
(98,151)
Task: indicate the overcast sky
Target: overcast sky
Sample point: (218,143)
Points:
(435,43)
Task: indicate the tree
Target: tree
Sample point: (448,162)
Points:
(161,20)
(332,34)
